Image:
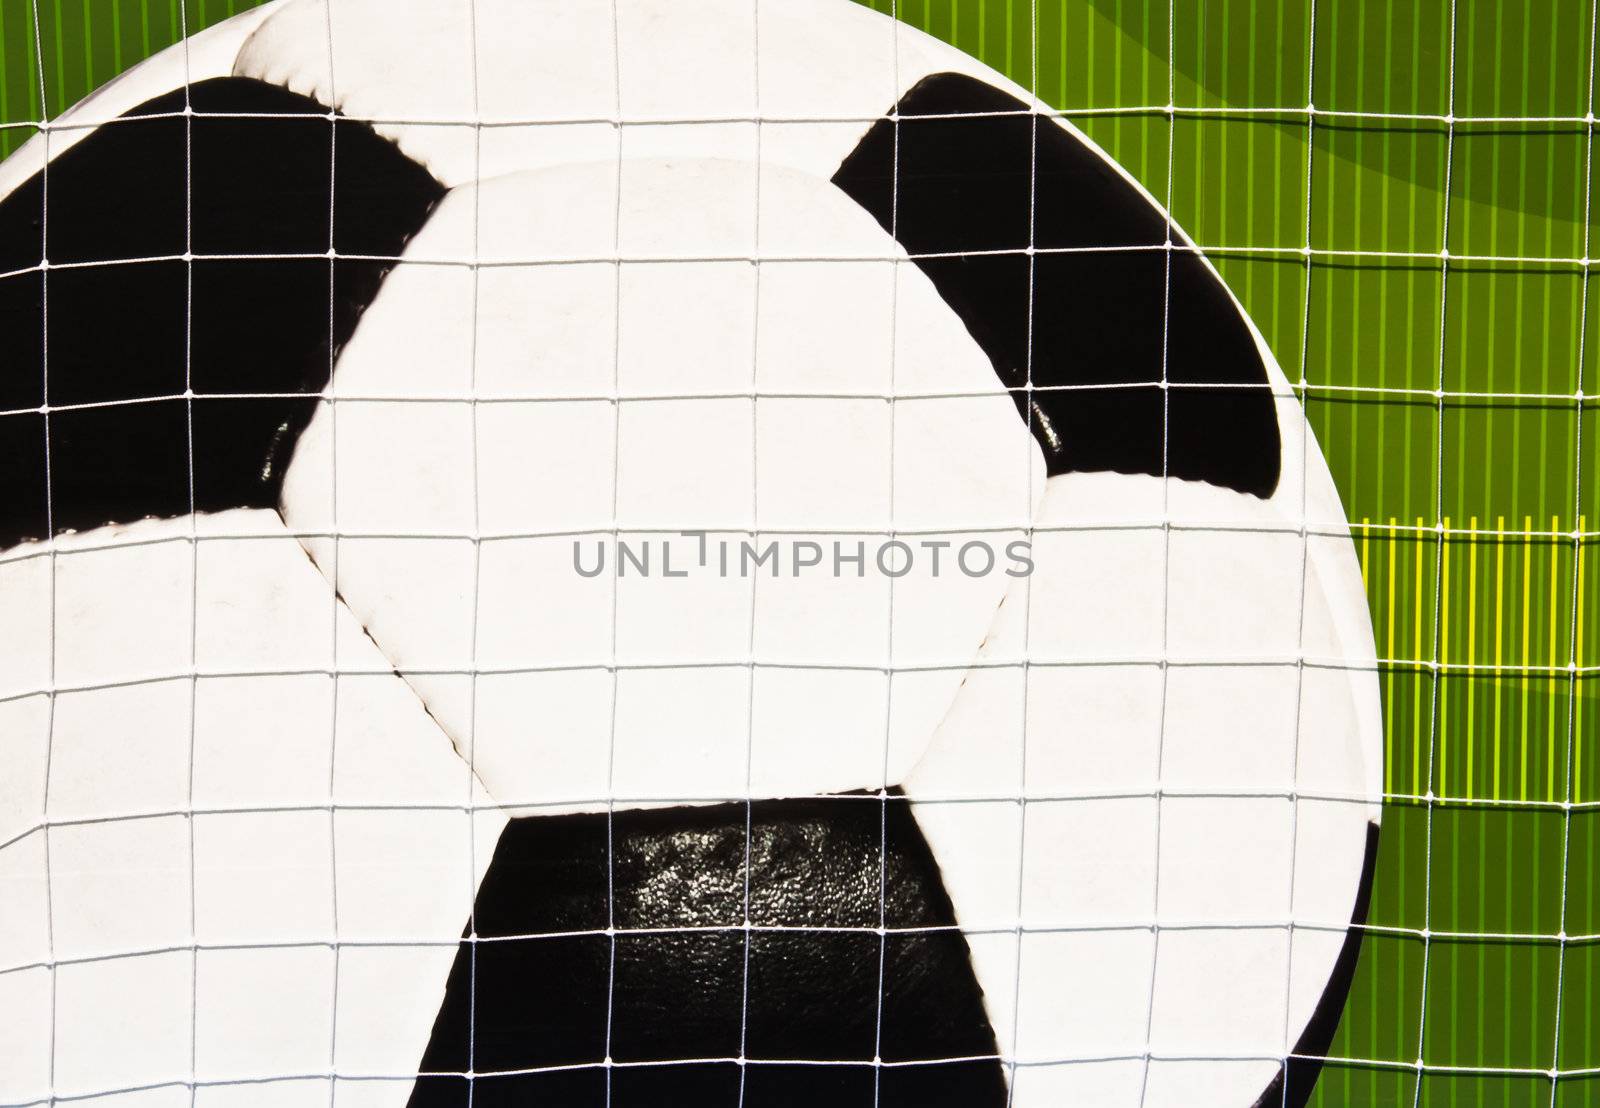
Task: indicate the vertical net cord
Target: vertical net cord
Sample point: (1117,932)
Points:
(1305,567)
(1434,735)
(477,567)
(755,578)
(334,680)
(1166,552)
(888,671)
(194,549)
(1573,678)
(50,534)
(616,485)
(1010,1057)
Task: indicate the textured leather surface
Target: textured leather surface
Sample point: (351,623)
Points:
(530,993)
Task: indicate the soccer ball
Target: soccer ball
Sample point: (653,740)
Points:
(621,554)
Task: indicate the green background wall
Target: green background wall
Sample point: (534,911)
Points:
(1446,393)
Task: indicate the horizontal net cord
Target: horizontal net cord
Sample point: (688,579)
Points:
(1433,257)
(1330,927)
(65,545)
(1292,392)
(335,1074)
(1271,113)
(592,803)
(1570,670)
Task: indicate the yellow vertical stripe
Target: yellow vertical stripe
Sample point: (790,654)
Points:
(1389,652)
(1472,644)
(1499,626)
(1552,718)
(1417,783)
(1577,659)
(1443,754)
(1527,657)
